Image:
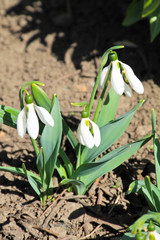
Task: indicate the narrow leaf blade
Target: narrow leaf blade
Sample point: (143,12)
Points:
(155,23)
(157,158)
(50,140)
(77,185)
(8,116)
(150,7)
(19,171)
(109,108)
(93,170)
(134,12)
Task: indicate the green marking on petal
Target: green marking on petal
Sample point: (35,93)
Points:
(87,122)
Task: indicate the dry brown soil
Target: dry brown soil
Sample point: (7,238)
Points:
(40,40)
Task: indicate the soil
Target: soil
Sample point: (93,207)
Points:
(60,46)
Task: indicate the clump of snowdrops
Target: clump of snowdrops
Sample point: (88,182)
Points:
(40,117)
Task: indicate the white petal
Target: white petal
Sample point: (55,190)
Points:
(155,234)
(127,90)
(96,134)
(79,134)
(117,79)
(44,116)
(132,79)
(21,123)
(104,75)
(32,122)
(84,135)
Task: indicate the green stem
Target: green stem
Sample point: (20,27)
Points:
(35,146)
(78,156)
(43,199)
(101,98)
(82,148)
(102,64)
(94,90)
(67,162)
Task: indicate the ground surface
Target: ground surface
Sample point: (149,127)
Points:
(63,51)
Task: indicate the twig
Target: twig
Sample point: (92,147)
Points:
(55,201)
(99,200)
(45,230)
(100,196)
(116,201)
(91,232)
(50,215)
(69,75)
(74,197)
(69,237)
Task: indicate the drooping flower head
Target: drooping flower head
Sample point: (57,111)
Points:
(27,118)
(152,234)
(122,77)
(85,136)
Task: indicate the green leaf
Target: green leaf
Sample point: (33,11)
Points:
(148,185)
(41,97)
(128,236)
(134,12)
(40,162)
(34,179)
(8,116)
(50,140)
(78,186)
(109,134)
(157,159)
(67,163)
(93,170)
(61,170)
(109,108)
(156,145)
(154,193)
(150,192)
(153,121)
(150,6)
(155,23)
(34,184)
(148,198)
(135,186)
(70,136)
(19,171)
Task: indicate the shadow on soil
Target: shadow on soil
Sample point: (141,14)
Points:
(89,28)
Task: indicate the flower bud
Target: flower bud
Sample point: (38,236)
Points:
(29,99)
(85,114)
(151,227)
(113,56)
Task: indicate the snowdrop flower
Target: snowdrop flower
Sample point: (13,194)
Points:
(28,120)
(84,134)
(152,234)
(122,77)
